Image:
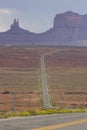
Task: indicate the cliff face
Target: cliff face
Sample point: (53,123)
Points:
(68,29)
(70,19)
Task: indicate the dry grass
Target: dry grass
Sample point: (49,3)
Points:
(20,73)
(25,84)
(67,78)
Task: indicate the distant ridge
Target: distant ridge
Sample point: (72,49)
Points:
(69,28)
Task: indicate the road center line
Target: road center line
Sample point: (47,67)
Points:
(62,125)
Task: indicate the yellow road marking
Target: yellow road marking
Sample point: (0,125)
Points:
(62,125)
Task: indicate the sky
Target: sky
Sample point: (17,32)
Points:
(36,15)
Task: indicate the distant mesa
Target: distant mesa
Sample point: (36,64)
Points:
(69,28)
(70,19)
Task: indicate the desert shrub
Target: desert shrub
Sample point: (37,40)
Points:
(33,112)
(25,113)
(41,112)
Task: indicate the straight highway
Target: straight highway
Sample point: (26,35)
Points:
(46,97)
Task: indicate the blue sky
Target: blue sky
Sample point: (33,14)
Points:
(36,15)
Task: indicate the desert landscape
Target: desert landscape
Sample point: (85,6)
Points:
(20,77)
(67,74)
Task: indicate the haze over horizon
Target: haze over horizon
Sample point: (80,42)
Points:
(36,16)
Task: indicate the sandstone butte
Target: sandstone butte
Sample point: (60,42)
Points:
(69,28)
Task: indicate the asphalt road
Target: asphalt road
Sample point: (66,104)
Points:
(47,122)
(46,97)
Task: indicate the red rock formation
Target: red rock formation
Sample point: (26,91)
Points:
(70,19)
(68,29)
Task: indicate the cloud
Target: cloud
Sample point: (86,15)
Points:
(5,11)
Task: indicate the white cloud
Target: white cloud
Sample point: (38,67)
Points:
(5,11)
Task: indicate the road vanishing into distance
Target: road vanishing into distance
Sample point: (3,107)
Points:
(75,121)
(46,97)
(46,122)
